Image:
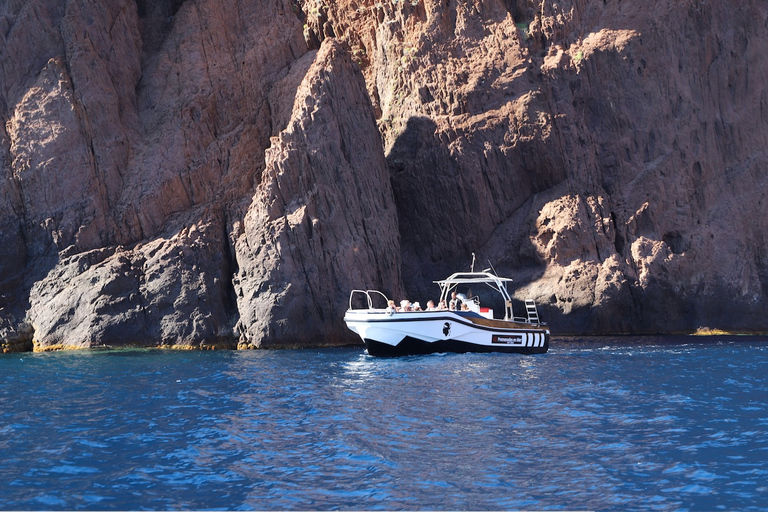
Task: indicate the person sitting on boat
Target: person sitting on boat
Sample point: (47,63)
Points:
(431,305)
(405,305)
(464,306)
(391,308)
(442,305)
(456,302)
(416,307)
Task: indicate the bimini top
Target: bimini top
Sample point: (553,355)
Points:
(493,281)
(498,284)
(471,278)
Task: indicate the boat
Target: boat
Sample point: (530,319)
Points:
(387,331)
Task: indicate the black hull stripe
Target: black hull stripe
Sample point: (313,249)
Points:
(413,346)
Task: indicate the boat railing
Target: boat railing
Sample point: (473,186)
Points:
(367,294)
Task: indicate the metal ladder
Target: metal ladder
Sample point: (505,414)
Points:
(533,313)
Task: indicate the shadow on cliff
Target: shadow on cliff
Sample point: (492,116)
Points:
(425,183)
(156,17)
(450,207)
(27,259)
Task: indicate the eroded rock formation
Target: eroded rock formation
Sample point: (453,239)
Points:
(323,219)
(219,173)
(611,155)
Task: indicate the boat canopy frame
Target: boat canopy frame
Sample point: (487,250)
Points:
(496,283)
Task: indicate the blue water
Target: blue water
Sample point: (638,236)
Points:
(606,424)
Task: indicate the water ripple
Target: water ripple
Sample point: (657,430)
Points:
(627,424)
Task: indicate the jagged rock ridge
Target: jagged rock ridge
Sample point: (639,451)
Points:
(210,174)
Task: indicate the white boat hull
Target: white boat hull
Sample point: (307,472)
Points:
(403,333)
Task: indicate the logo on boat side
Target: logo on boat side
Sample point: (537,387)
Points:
(447,329)
(506,340)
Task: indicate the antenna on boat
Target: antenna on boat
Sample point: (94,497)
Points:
(472,268)
(494,270)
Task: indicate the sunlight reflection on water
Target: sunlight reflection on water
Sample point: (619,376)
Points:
(633,424)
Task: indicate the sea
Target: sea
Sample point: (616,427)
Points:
(634,423)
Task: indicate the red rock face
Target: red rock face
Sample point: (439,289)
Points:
(193,173)
(323,220)
(607,154)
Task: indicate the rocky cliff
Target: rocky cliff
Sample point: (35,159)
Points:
(219,173)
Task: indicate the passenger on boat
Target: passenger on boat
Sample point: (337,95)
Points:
(405,305)
(456,302)
(391,308)
(464,306)
(416,307)
(431,305)
(442,305)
